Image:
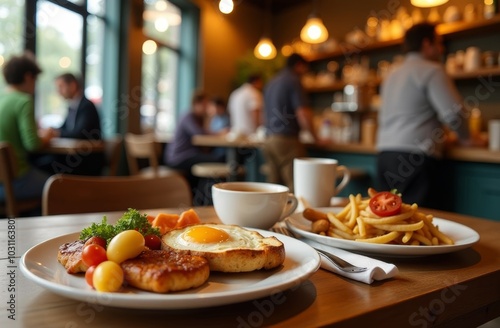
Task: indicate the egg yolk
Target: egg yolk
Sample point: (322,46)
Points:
(205,235)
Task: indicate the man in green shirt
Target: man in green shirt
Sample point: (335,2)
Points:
(18,126)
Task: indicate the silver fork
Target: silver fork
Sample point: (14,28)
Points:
(341,264)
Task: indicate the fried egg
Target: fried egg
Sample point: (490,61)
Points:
(213,237)
(228,248)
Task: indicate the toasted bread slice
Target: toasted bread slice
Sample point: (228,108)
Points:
(162,271)
(245,250)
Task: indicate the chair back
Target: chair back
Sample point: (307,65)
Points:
(113,151)
(8,171)
(67,194)
(13,207)
(141,146)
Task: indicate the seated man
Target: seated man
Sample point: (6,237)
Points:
(82,122)
(181,154)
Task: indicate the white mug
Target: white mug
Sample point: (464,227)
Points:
(494,134)
(314,180)
(252,204)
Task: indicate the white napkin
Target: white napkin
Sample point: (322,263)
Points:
(377,270)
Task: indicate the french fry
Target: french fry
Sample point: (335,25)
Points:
(354,212)
(407,237)
(336,222)
(422,239)
(400,227)
(384,239)
(388,219)
(361,227)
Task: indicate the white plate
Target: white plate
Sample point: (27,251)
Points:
(463,237)
(40,265)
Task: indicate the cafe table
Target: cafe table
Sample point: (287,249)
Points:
(459,289)
(71,146)
(235,147)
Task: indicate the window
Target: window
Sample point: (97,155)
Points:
(11,25)
(59,43)
(162,22)
(69,38)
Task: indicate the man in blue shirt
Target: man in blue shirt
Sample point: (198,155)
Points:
(286,113)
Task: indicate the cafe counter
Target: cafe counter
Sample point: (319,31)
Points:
(470,177)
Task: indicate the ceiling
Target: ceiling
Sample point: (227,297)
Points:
(276,5)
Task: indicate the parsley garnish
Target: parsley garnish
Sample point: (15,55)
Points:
(130,220)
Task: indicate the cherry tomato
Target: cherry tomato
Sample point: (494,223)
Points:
(153,241)
(93,255)
(89,276)
(97,241)
(108,277)
(385,204)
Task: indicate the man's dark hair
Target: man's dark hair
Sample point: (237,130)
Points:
(198,97)
(16,68)
(219,101)
(254,77)
(69,78)
(295,59)
(416,35)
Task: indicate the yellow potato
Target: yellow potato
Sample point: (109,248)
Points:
(125,245)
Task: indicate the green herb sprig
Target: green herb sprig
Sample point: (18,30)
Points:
(130,220)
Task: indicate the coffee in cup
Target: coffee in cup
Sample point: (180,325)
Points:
(252,204)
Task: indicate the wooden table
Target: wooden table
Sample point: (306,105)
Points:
(74,146)
(235,147)
(460,289)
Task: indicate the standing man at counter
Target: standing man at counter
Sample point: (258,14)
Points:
(286,113)
(418,101)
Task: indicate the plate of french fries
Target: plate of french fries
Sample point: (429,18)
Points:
(405,232)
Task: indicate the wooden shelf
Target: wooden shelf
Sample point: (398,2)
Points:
(447,30)
(339,86)
(495,71)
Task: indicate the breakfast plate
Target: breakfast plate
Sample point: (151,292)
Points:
(40,265)
(463,237)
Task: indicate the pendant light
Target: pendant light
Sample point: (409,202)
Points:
(314,31)
(265,49)
(226,6)
(428,3)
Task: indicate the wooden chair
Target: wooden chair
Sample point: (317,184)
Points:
(144,146)
(8,171)
(113,151)
(66,194)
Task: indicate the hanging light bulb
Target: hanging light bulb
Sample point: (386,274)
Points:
(265,49)
(314,31)
(428,3)
(226,6)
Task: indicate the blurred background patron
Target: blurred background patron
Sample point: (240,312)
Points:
(245,106)
(18,126)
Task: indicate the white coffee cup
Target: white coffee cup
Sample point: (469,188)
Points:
(314,180)
(252,204)
(494,134)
